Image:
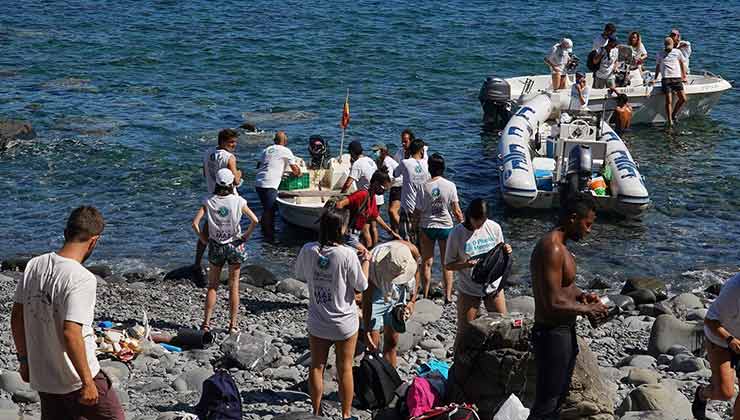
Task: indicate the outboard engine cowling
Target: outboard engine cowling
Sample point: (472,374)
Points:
(318,149)
(578,175)
(495,99)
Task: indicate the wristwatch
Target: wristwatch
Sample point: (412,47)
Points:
(729,340)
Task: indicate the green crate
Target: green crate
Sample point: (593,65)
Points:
(294,182)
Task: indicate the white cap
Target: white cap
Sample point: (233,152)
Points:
(224,177)
(567,44)
(394,263)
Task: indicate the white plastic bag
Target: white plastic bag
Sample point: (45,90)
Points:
(512,409)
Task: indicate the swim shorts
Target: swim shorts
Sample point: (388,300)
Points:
(231,253)
(672,84)
(382,310)
(437,234)
(394,194)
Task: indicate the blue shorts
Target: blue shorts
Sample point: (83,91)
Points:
(268,198)
(381,310)
(437,234)
(352,239)
(231,253)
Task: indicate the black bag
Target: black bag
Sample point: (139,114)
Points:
(593,66)
(220,399)
(494,265)
(375,382)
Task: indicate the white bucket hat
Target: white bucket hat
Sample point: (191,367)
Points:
(394,264)
(567,44)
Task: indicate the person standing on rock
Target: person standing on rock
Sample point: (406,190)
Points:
(214,160)
(274,161)
(466,243)
(721,326)
(558,302)
(51,323)
(333,275)
(391,283)
(223,212)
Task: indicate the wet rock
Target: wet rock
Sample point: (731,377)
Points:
(677,349)
(625,303)
(656,397)
(15,263)
(656,286)
(293,287)
(192,273)
(20,391)
(14,130)
(192,380)
(598,283)
(669,330)
(257,276)
(426,311)
(642,296)
(521,304)
(250,351)
(639,360)
(100,270)
(141,276)
(639,376)
(686,363)
(637,323)
(655,309)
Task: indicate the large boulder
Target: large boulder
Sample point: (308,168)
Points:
(192,380)
(656,287)
(494,361)
(257,275)
(13,130)
(19,390)
(657,397)
(426,312)
(684,303)
(17,263)
(192,273)
(521,305)
(293,287)
(668,330)
(250,351)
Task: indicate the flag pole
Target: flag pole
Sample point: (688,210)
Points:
(341,144)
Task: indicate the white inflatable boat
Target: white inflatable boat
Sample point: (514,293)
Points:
(544,151)
(302,207)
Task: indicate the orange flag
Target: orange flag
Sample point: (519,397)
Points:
(345,114)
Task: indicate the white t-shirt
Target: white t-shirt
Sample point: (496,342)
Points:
(726,310)
(415,173)
(463,244)
(638,51)
(606,67)
(670,63)
(434,200)
(686,51)
(55,289)
(214,160)
(332,274)
(558,57)
(274,161)
(224,214)
(400,154)
(599,42)
(362,171)
(391,164)
(575,101)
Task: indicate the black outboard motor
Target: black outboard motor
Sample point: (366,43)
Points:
(495,99)
(318,149)
(578,176)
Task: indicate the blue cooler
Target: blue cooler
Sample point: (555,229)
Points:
(543,179)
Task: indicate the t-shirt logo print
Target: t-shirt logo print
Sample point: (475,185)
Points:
(435,193)
(418,169)
(223,211)
(323,262)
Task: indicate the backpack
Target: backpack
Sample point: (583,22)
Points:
(421,397)
(375,382)
(450,412)
(220,399)
(593,66)
(493,265)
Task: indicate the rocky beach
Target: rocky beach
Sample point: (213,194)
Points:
(643,364)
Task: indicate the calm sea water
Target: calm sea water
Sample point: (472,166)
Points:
(126,96)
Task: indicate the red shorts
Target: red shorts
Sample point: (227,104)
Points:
(68,407)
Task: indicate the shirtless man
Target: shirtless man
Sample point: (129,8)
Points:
(558,302)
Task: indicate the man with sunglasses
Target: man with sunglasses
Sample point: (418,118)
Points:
(51,322)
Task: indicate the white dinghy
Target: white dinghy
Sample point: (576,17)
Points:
(545,152)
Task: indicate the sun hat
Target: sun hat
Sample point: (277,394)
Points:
(224,177)
(394,264)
